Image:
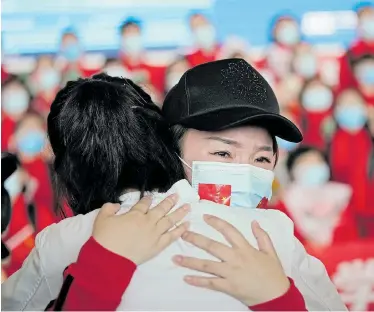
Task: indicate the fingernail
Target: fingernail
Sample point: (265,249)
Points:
(174,197)
(207,217)
(187,207)
(188,278)
(177,259)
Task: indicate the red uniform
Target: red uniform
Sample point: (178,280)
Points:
(200,57)
(4,75)
(42,104)
(19,236)
(8,126)
(313,128)
(351,160)
(357,49)
(156,74)
(43,197)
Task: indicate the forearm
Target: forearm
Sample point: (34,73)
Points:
(93,283)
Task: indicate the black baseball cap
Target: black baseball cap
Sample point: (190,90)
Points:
(224,94)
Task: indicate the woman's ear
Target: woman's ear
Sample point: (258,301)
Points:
(47,152)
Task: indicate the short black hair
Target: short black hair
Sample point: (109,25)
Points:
(361,6)
(284,15)
(108,136)
(364,57)
(294,155)
(15,79)
(111,60)
(130,21)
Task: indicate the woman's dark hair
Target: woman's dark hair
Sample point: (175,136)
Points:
(130,21)
(354,61)
(108,136)
(294,155)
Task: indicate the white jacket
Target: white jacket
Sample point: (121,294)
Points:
(158,284)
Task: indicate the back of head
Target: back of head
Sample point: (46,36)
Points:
(108,136)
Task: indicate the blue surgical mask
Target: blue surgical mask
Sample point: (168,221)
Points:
(367,28)
(351,118)
(312,175)
(306,66)
(317,99)
(249,185)
(31,143)
(15,102)
(286,145)
(132,44)
(288,34)
(205,36)
(49,80)
(72,52)
(366,77)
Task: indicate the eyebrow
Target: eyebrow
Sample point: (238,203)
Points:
(264,148)
(223,140)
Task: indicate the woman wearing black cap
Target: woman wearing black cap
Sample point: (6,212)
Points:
(159,275)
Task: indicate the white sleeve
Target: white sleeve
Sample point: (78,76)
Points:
(27,289)
(312,280)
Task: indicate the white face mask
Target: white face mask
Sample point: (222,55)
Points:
(235,185)
(205,37)
(132,44)
(15,101)
(317,99)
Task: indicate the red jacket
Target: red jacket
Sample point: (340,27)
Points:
(357,49)
(156,73)
(313,128)
(8,126)
(90,287)
(43,197)
(350,159)
(19,236)
(200,57)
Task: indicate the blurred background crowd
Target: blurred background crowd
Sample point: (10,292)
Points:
(318,57)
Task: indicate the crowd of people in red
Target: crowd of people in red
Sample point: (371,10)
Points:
(324,185)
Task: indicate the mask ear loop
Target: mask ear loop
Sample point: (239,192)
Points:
(139,97)
(184,162)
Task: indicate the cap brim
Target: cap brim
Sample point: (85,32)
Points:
(239,116)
